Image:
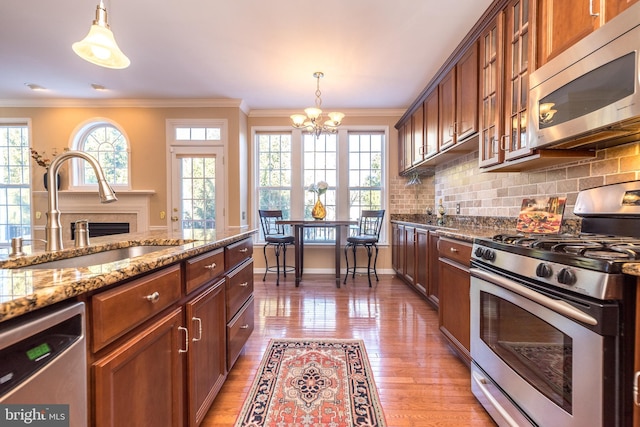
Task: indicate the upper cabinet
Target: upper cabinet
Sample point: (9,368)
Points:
(565,22)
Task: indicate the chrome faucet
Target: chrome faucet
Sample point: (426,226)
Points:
(53,230)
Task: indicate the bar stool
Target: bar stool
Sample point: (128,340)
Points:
(275,236)
(367,237)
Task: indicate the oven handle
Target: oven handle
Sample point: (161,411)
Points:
(481,384)
(556,305)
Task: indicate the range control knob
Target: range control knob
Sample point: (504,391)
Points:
(489,255)
(479,251)
(566,277)
(544,270)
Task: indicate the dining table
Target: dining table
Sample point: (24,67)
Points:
(299,225)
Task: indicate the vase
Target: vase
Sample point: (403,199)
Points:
(46,183)
(318,211)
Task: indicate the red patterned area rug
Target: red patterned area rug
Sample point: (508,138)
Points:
(313,383)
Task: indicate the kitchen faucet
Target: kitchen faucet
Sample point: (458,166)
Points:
(53,230)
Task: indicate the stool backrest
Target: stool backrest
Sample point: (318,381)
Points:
(268,220)
(371,223)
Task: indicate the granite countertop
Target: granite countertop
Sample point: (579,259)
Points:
(24,289)
(631,268)
(461,231)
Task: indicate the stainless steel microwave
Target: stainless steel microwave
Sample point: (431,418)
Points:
(589,95)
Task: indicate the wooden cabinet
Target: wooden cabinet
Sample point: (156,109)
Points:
(162,344)
(396,229)
(458,95)
(422,260)
(455,282)
(565,22)
(409,255)
(433,294)
(140,383)
(239,309)
(206,358)
(417,134)
(431,125)
(466,123)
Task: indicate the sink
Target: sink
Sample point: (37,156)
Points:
(103,257)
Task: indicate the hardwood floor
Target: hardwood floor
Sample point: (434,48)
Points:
(420,380)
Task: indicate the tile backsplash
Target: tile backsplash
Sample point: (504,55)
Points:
(500,194)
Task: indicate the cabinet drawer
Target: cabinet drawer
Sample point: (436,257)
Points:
(238,252)
(203,268)
(455,250)
(119,310)
(239,288)
(238,332)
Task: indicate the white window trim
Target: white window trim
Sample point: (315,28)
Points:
(297,203)
(197,145)
(74,144)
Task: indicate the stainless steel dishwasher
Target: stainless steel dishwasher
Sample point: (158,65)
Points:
(43,366)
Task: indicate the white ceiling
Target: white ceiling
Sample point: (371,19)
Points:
(374,53)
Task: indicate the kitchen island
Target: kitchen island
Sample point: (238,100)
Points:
(163,329)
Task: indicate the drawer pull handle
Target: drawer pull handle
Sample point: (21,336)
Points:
(244,284)
(210,266)
(186,339)
(244,250)
(453,250)
(154,297)
(245,326)
(199,320)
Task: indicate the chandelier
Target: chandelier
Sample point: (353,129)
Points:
(99,46)
(311,120)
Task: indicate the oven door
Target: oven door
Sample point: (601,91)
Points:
(539,351)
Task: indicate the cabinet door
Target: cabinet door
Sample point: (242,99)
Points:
(434,280)
(206,358)
(616,7)
(454,309)
(395,247)
(422,260)
(408,145)
(491,93)
(417,124)
(565,22)
(447,97)
(467,94)
(141,382)
(516,78)
(410,255)
(431,116)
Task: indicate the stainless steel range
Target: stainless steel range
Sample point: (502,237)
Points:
(552,318)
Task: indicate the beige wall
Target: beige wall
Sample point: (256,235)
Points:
(52,127)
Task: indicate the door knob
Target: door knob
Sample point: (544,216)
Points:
(174,218)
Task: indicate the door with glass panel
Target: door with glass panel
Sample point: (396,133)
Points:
(197,191)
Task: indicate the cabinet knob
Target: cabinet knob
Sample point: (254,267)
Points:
(244,284)
(210,266)
(244,250)
(154,297)
(245,326)
(453,250)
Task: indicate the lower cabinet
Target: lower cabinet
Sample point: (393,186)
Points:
(433,290)
(455,282)
(159,355)
(140,383)
(206,358)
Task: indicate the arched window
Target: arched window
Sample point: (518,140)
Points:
(109,145)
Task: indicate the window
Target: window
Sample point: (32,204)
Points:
(15,190)
(351,162)
(110,147)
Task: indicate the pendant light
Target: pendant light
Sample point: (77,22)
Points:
(311,121)
(99,46)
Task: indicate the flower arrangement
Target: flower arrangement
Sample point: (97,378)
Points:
(319,188)
(42,159)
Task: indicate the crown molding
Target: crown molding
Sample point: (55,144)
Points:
(361,112)
(126,103)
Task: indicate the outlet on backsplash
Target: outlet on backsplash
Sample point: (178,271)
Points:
(457,208)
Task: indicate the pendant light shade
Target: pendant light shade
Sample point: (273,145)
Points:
(99,46)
